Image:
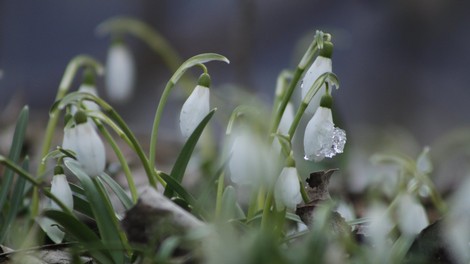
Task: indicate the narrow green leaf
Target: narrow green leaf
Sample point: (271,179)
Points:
(104,218)
(198,59)
(118,190)
(80,202)
(176,187)
(16,202)
(14,155)
(182,161)
(83,234)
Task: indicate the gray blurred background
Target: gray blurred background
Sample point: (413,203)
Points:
(402,63)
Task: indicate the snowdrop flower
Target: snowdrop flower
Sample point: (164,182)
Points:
(411,215)
(457,223)
(322,139)
(251,161)
(59,188)
(287,189)
(322,64)
(196,106)
(120,73)
(83,139)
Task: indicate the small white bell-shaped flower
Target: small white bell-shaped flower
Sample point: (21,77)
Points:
(322,139)
(251,159)
(196,106)
(60,188)
(322,64)
(83,139)
(411,215)
(120,73)
(287,189)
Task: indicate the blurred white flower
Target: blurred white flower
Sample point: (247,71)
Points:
(287,189)
(251,161)
(88,147)
(457,223)
(412,217)
(377,232)
(423,163)
(322,139)
(91,89)
(322,64)
(194,110)
(120,73)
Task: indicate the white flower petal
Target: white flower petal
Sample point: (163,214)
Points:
(287,189)
(412,217)
(87,145)
(251,161)
(194,110)
(60,188)
(320,66)
(120,73)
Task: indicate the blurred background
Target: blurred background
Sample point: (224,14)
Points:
(403,65)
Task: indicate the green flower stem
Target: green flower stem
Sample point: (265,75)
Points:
(253,206)
(27,176)
(149,169)
(281,86)
(267,210)
(303,192)
(122,160)
(220,192)
(195,60)
(67,78)
(285,100)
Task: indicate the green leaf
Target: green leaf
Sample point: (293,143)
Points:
(83,234)
(100,205)
(176,187)
(198,59)
(16,202)
(80,202)
(14,156)
(118,190)
(177,173)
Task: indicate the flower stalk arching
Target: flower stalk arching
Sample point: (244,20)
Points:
(121,128)
(196,60)
(72,67)
(316,44)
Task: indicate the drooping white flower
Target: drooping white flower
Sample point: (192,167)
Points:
(411,215)
(322,64)
(322,139)
(457,223)
(83,139)
(251,160)
(59,188)
(120,73)
(287,189)
(195,108)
